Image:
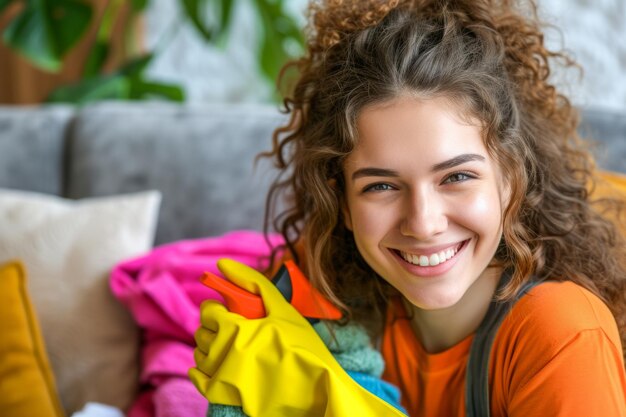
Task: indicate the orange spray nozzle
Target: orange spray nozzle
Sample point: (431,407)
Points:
(237,299)
(291,283)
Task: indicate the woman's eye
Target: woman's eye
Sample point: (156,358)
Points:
(377,187)
(457,177)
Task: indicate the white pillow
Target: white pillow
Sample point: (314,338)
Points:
(69,248)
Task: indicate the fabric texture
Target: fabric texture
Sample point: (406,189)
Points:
(175,397)
(554,352)
(27,386)
(207,152)
(163,292)
(69,248)
(32,142)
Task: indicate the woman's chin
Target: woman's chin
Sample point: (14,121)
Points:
(432,300)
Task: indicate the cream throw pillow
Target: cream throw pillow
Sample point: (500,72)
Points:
(69,248)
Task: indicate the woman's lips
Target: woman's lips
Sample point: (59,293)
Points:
(431,265)
(432,256)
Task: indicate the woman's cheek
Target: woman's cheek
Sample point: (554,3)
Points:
(370,219)
(365,220)
(484,203)
(482,214)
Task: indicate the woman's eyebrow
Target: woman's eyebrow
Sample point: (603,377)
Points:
(457,160)
(374,172)
(450,163)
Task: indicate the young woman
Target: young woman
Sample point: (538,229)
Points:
(437,182)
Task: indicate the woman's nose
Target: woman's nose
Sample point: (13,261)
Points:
(424,217)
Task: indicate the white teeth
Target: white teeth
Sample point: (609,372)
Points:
(432,260)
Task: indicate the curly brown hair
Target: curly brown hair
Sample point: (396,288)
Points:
(489,57)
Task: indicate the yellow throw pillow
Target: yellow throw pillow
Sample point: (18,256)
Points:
(613,185)
(27,385)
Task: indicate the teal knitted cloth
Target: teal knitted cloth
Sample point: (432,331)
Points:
(351,348)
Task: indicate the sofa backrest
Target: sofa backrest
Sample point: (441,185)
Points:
(607,129)
(32,145)
(200,158)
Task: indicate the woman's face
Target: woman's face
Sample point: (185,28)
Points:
(423,199)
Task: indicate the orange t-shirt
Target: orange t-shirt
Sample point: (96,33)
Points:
(558,353)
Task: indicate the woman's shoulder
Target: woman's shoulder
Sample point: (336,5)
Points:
(560,312)
(558,339)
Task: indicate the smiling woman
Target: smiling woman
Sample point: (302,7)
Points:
(438,186)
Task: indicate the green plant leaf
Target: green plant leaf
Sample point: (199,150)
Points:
(226,20)
(93,89)
(141,89)
(4,4)
(227,13)
(271,55)
(138,5)
(127,83)
(136,66)
(47,29)
(96,58)
(192,9)
(27,33)
(69,20)
(279,32)
(115,87)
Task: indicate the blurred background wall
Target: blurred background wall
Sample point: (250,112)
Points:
(593,31)
(595,34)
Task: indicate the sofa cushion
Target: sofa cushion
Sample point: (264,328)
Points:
(32,141)
(27,385)
(69,249)
(200,157)
(611,185)
(608,130)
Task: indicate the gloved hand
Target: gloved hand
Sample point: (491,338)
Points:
(276,365)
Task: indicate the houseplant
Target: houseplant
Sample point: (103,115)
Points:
(44,31)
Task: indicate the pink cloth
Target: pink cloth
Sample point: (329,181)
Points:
(163,293)
(178,397)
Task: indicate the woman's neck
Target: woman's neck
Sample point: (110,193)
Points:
(439,330)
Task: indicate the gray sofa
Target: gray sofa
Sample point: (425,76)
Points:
(200,157)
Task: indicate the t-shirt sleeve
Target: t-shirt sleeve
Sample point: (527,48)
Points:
(585,378)
(562,356)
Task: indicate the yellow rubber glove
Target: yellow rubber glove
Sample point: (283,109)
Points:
(276,365)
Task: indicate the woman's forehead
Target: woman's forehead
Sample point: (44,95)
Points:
(422,128)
